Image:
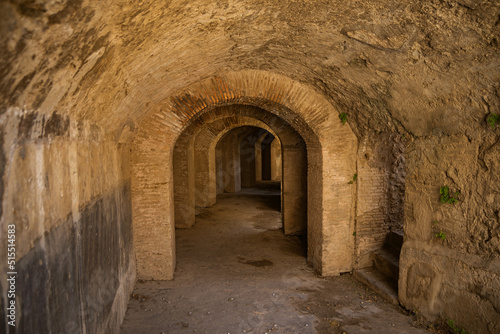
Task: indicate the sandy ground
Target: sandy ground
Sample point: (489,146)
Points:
(237,273)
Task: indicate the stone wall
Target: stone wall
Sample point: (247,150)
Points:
(67,190)
(276,166)
(379,184)
(450,261)
(248,158)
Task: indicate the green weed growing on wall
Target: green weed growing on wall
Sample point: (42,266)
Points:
(492,120)
(441,235)
(455,328)
(343,117)
(446,197)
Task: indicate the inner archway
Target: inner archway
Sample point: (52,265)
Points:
(242,145)
(195,175)
(330,215)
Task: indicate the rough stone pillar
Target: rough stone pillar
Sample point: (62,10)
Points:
(339,164)
(153,207)
(219,171)
(266,158)
(205,189)
(230,149)
(276,160)
(184,182)
(314,206)
(258,157)
(448,277)
(247,161)
(294,189)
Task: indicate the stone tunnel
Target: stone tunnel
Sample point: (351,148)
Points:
(120,119)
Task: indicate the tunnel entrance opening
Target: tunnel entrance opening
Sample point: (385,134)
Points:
(240,161)
(168,184)
(225,153)
(229,160)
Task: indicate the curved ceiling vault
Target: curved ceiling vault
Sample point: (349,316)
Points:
(110,61)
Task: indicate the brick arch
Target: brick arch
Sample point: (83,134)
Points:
(184,165)
(251,156)
(195,179)
(228,159)
(204,144)
(331,150)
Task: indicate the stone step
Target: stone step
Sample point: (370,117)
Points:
(388,264)
(378,283)
(393,243)
(395,240)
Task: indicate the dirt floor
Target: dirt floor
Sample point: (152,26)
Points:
(237,273)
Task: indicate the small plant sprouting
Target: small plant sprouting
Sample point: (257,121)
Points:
(354,233)
(445,195)
(435,222)
(441,235)
(492,120)
(354,178)
(343,117)
(455,328)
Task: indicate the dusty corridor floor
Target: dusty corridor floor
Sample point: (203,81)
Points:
(237,273)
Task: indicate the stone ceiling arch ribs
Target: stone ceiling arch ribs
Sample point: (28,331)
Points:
(245,121)
(256,88)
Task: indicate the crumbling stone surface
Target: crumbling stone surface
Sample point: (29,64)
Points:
(457,273)
(410,67)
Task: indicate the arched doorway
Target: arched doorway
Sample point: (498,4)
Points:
(198,186)
(331,205)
